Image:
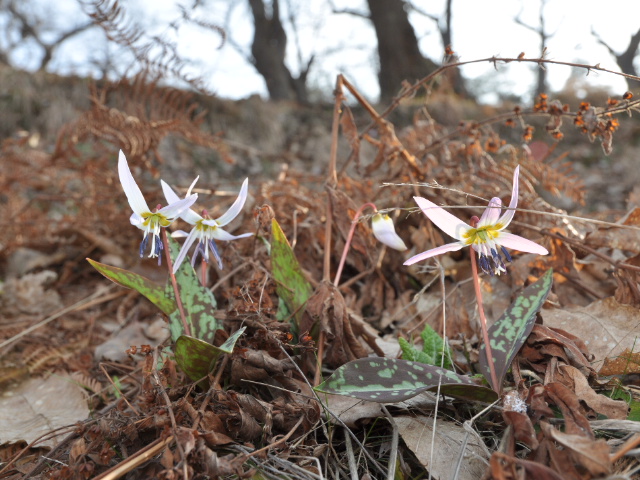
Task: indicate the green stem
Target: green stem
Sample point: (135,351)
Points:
(174,282)
(347,244)
(483,319)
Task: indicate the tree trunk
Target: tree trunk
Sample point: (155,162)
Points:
(269,49)
(398,52)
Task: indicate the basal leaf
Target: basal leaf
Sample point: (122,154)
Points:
(154,292)
(388,380)
(292,286)
(511,330)
(198,302)
(197,358)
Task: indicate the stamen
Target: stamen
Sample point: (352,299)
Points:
(199,251)
(484,264)
(214,249)
(143,245)
(506,254)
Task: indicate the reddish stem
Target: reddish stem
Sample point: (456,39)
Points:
(483,319)
(354,224)
(174,282)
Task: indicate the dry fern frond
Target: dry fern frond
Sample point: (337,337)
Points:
(154,54)
(136,115)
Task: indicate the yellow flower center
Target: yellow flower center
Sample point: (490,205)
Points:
(477,236)
(203,227)
(153,219)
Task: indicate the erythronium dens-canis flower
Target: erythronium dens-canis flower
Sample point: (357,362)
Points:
(142,217)
(488,238)
(205,229)
(385,232)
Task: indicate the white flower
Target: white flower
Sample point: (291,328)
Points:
(385,232)
(146,220)
(205,229)
(485,238)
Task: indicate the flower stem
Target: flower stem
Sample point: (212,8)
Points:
(483,319)
(174,282)
(354,224)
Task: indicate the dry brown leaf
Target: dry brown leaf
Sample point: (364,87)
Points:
(620,238)
(351,411)
(39,406)
(606,326)
(417,434)
(326,311)
(590,454)
(626,362)
(523,430)
(574,379)
(503,467)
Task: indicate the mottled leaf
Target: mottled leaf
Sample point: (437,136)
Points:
(388,380)
(511,330)
(154,292)
(197,358)
(198,302)
(292,286)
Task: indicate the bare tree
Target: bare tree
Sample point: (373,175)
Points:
(31,27)
(398,52)
(541,31)
(269,49)
(626,58)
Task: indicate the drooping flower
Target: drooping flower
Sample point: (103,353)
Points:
(385,232)
(142,217)
(205,229)
(488,238)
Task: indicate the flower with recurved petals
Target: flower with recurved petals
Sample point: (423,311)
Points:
(146,220)
(385,232)
(205,229)
(487,238)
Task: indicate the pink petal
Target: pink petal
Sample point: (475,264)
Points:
(516,242)
(449,247)
(508,215)
(492,213)
(448,223)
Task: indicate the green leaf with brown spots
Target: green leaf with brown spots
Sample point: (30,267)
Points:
(291,284)
(154,292)
(197,358)
(511,330)
(389,380)
(198,302)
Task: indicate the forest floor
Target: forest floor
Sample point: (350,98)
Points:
(99,381)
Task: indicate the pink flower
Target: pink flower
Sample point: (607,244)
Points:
(488,238)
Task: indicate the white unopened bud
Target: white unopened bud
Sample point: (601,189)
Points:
(385,232)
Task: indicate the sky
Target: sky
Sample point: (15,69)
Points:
(346,44)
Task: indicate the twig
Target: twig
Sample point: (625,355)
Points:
(134,461)
(337,419)
(393,455)
(99,292)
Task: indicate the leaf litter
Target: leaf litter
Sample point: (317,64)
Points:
(252,411)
